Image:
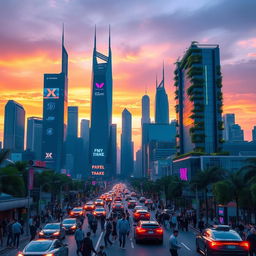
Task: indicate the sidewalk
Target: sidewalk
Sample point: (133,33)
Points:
(23,241)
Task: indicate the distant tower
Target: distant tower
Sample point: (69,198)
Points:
(229,120)
(101,131)
(254,134)
(126,145)
(145,110)
(14,125)
(34,136)
(161,103)
(55,115)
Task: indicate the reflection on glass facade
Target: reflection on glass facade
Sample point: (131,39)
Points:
(198,84)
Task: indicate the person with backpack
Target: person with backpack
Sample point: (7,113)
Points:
(108,231)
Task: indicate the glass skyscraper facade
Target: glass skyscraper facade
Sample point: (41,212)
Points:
(55,115)
(198,83)
(14,126)
(101,132)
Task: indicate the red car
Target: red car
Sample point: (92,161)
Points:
(141,215)
(148,230)
(76,212)
(98,212)
(117,207)
(89,206)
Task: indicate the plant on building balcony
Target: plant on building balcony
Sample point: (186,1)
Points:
(219,107)
(219,96)
(219,82)
(198,138)
(196,116)
(177,108)
(221,140)
(218,70)
(176,83)
(191,90)
(220,125)
(195,71)
(176,71)
(195,98)
(194,59)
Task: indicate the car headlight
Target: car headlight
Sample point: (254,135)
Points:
(56,233)
(41,233)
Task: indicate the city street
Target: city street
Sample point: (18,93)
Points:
(186,239)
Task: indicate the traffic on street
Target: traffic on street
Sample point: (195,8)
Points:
(123,222)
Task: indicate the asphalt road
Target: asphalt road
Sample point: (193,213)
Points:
(187,240)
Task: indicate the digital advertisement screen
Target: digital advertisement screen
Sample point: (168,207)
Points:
(51,93)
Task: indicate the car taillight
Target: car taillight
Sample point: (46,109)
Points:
(148,215)
(245,244)
(56,233)
(49,254)
(73,227)
(94,213)
(136,214)
(214,244)
(20,254)
(80,213)
(141,230)
(159,230)
(41,233)
(71,213)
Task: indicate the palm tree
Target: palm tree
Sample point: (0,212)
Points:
(3,155)
(203,179)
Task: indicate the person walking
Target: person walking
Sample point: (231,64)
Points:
(252,242)
(173,242)
(16,230)
(94,225)
(123,228)
(87,245)
(108,233)
(114,228)
(32,229)
(79,237)
(102,222)
(9,234)
(101,252)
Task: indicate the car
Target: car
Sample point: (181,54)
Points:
(76,212)
(221,240)
(69,225)
(131,204)
(128,197)
(89,206)
(117,207)
(148,230)
(44,247)
(133,194)
(138,207)
(109,199)
(98,212)
(52,230)
(141,215)
(99,202)
(142,199)
(148,202)
(117,198)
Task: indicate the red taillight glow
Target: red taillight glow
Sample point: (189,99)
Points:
(245,244)
(159,230)
(56,233)
(41,233)
(141,230)
(73,227)
(49,254)
(148,215)
(20,254)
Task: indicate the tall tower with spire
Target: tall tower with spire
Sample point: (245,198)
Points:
(102,154)
(161,103)
(55,98)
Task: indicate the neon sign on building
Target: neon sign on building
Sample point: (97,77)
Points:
(51,93)
(184,174)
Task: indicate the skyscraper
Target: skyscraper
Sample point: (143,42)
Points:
(126,145)
(55,115)
(198,85)
(101,139)
(14,123)
(34,136)
(161,104)
(145,110)
(254,134)
(229,120)
(236,133)
(72,128)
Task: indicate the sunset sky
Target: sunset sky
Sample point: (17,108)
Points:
(144,34)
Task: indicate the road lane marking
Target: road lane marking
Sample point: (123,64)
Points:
(98,242)
(186,247)
(132,244)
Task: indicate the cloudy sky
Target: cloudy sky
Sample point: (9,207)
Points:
(144,33)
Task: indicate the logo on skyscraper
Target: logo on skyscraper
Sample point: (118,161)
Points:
(51,93)
(99,85)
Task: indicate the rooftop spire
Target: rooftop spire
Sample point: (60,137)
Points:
(62,34)
(95,37)
(156,82)
(163,73)
(109,37)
